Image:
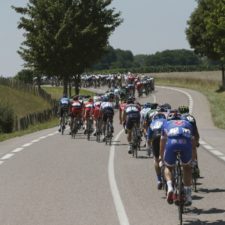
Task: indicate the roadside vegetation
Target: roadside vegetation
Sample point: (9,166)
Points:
(22,103)
(211,89)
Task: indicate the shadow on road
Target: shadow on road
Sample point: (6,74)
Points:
(203,211)
(199,222)
(215,190)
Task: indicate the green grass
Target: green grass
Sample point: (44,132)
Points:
(56,92)
(33,128)
(22,102)
(209,88)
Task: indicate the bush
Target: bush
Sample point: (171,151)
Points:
(6,119)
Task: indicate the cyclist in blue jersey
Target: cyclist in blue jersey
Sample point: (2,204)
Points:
(64,104)
(177,135)
(153,138)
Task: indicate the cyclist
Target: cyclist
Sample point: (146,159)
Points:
(184,111)
(131,116)
(107,109)
(153,137)
(177,134)
(76,110)
(64,104)
(97,115)
(122,107)
(88,112)
(143,119)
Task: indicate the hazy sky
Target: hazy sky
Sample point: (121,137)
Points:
(149,26)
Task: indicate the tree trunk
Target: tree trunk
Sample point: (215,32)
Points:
(223,77)
(70,89)
(65,85)
(77,84)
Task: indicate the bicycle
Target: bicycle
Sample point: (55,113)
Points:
(179,193)
(98,129)
(108,132)
(76,124)
(63,121)
(136,140)
(89,127)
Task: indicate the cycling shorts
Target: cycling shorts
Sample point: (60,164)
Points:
(183,145)
(132,118)
(107,113)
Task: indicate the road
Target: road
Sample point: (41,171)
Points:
(50,179)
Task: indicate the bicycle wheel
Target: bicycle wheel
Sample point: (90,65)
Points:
(74,128)
(63,124)
(88,129)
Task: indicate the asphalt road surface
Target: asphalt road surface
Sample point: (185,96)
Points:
(50,179)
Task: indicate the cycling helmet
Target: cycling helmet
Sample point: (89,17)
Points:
(174,115)
(154,105)
(130,100)
(105,99)
(91,100)
(159,116)
(147,105)
(183,109)
(76,98)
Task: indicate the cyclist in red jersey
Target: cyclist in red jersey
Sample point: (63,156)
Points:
(88,112)
(76,110)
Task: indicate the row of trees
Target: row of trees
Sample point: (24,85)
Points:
(66,37)
(117,58)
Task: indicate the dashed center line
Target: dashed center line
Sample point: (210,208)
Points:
(19,149)
(7,156)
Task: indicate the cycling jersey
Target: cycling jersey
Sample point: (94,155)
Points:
(132,115)
(97,110)
(76,108)
(179,134)
(88,109)
(107,110)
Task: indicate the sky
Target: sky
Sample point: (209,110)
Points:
(149,26)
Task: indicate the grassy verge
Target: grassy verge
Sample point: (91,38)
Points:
(209,88)
(30,129)
(56,93)
(22,102)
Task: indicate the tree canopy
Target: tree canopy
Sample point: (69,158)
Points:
(63,37)
(206,30)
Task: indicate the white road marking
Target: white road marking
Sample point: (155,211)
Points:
(17,150)
(7,156)
(27,144)
(208,147)
(222,157)
(217,153)
(121,213)
(35,140)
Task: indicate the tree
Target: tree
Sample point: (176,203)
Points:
(206,31)
(64,37)
(25,76)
